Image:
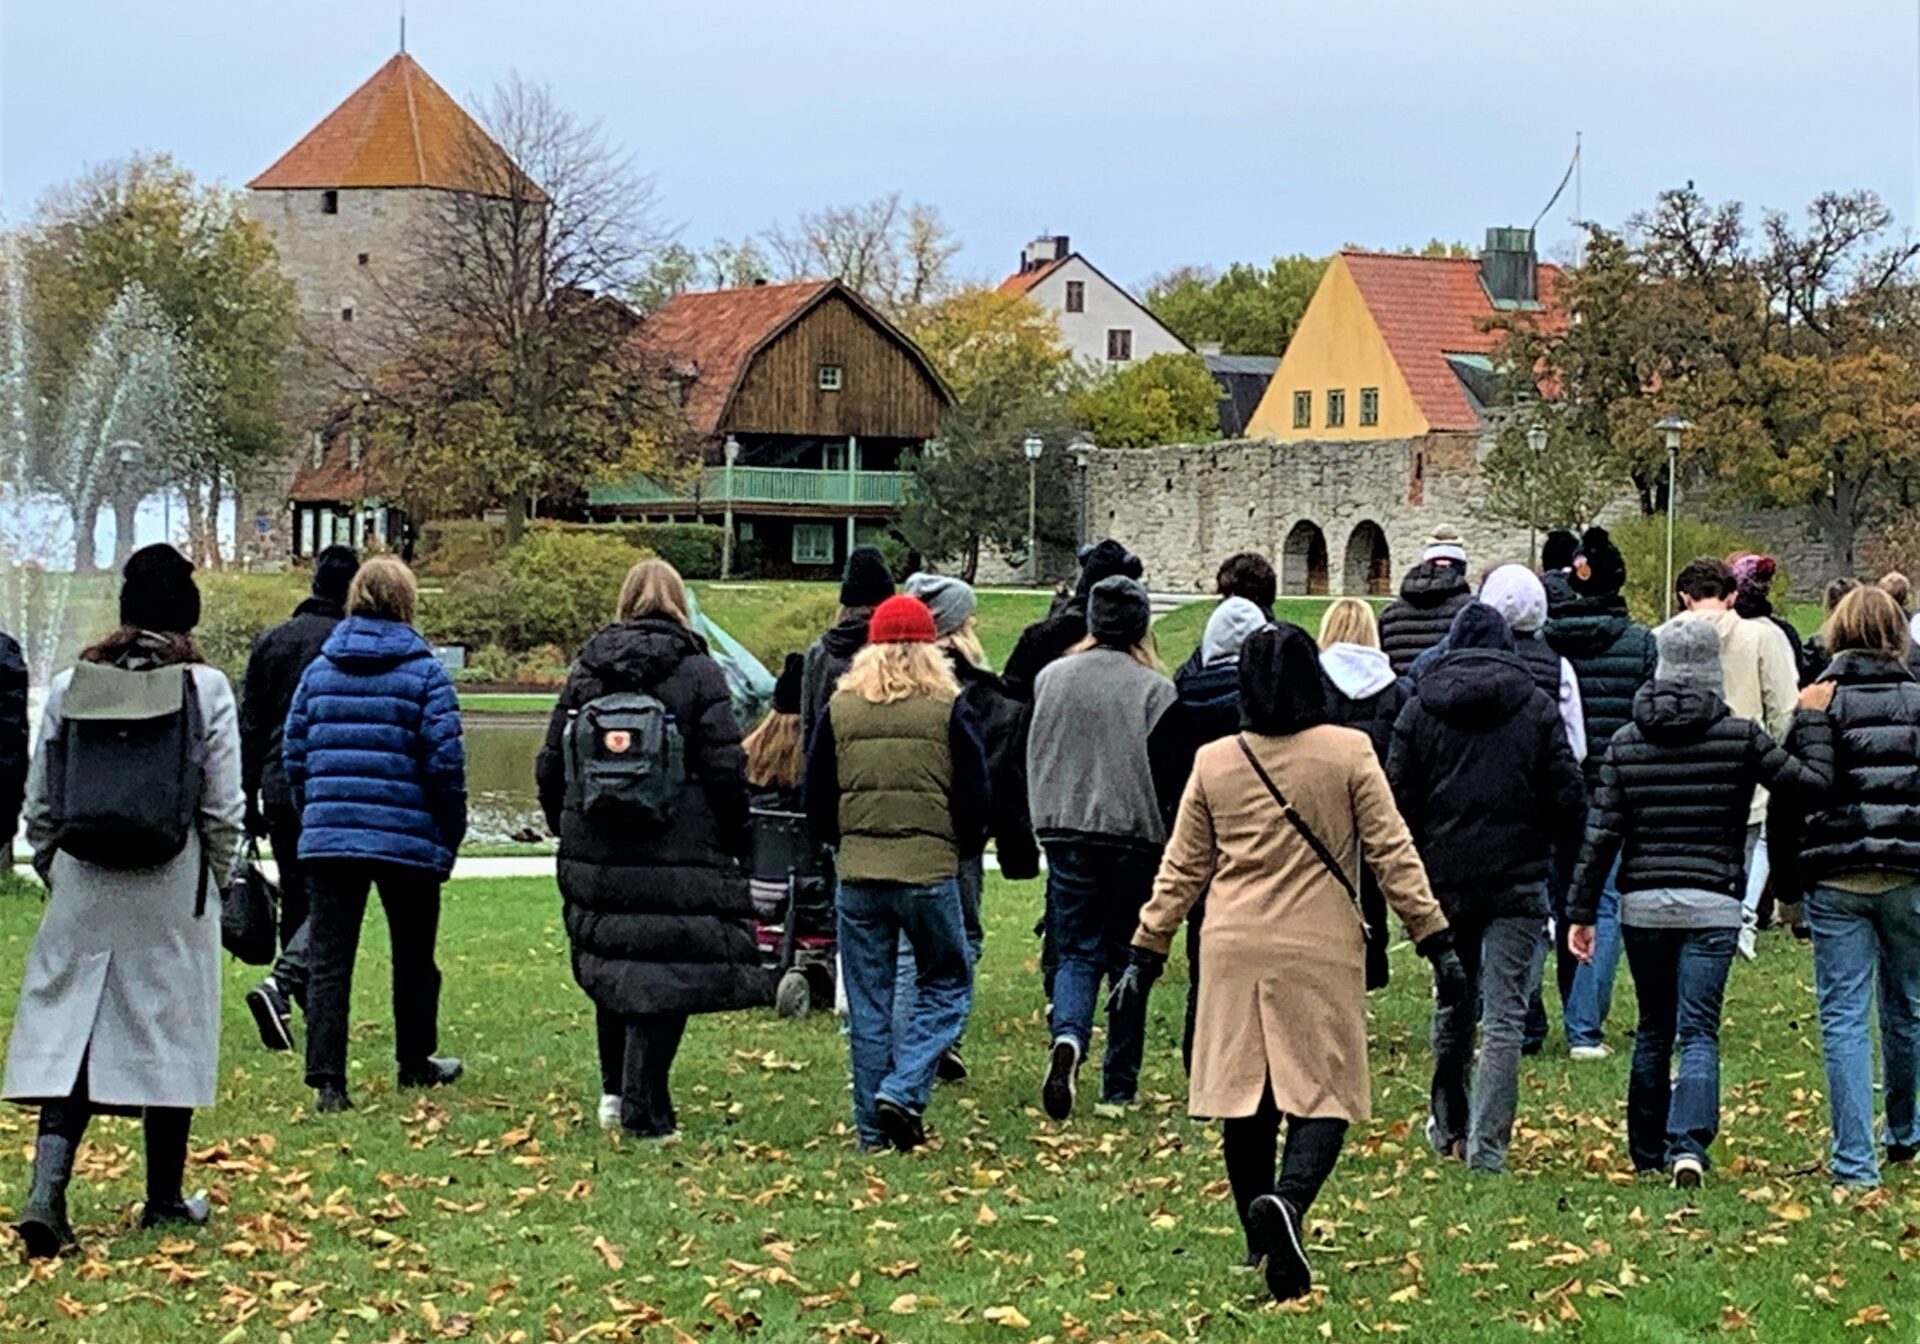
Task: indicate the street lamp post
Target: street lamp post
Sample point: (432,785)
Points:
(1082,456)
(1033,447)
(726,535)
(1536,445)
(1673,427)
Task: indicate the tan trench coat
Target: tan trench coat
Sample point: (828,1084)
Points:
(1283,953)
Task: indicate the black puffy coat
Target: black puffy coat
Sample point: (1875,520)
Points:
(1481,770)
(660,922)
(826,662)
(1674,789)
(1374,716)
(1002,724)
(1431,595)
(1043,643)
(280,654)
(1613,657)
(16,752)
(1210,699)
(1870,819)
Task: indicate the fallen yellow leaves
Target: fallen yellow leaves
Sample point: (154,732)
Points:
(609,1253)
(1009,1317)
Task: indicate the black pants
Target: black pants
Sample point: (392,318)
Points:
(411,898)
(283,832)
(636,1055)
(1251,1145)
(64,1123)
(1195,917)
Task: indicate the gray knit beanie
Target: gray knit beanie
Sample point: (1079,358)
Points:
(1689,653)
(950,600)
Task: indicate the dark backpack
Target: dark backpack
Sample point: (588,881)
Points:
(625,760)
(127,768)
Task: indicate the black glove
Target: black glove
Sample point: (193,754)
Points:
(256,821)
(1143,968)
(1449,976)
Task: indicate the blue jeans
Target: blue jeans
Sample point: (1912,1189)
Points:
(1592,997)
(1680,977)
(972,877)
(1858,942)
(898,1064)
(1094,896)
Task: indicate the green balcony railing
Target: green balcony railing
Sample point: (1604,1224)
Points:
(803,486)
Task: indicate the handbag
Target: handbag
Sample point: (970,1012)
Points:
(249,916)
(1375,929)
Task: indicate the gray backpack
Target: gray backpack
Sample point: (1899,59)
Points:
(626,760)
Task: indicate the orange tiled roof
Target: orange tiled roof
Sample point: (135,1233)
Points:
(399,129)
(336,477)
(1430,307)
(1020,282)
(711,334)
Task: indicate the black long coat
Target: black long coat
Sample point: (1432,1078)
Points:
(15,753)
(280,654)
(660,922)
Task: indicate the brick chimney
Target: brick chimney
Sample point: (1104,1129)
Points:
(1509,268)
(1044,250)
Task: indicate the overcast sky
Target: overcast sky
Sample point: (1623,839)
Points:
(1153,133)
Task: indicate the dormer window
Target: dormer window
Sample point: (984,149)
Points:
(319,449)
(830,377)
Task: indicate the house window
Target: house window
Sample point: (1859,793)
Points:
(1302,410)
(1417,482)
(346,312)
(1119,343)
(1336,407)
(830,377)
(1076,296)
(363,258)
(813,543)
(1369,405)
(329,202)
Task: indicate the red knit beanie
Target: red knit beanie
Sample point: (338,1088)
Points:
(901,620)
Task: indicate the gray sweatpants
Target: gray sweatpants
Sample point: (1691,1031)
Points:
(1502,960)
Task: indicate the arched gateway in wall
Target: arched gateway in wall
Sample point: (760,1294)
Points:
(1303,561)
(1368,571)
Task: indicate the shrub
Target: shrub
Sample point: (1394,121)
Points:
(555,588)
(236,607)
(1643,545)
(797,626)
(452,547)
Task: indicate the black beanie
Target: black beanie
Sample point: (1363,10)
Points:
(1599,570)
(1281,687)
(333,571)
(1118,612)
(786,690)
(157,591)
(1105,560)
(1479,626)
(1558,550)
(868,582)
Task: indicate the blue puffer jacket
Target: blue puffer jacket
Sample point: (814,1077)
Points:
(372,750)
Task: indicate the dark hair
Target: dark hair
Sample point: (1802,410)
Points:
(1838,589)
(1705,579)
(1250,575)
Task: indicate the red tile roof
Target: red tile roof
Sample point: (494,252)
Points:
(337,478)
(399,129)
(1430,307)
(711,334)
(1020,282)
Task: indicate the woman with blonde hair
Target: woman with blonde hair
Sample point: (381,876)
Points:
(374,758)
(1853,857)
(643,779)
(776,752)
(897,783)
(1107,752)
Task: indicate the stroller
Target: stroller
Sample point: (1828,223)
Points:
(792,886)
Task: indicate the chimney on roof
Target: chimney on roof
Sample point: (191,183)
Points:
(1043,250)
(1509,268)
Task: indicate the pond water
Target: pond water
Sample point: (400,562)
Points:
(501,801)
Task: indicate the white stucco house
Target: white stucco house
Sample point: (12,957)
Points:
(1099,321)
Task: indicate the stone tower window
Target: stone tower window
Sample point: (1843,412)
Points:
(329,202)
(363,258)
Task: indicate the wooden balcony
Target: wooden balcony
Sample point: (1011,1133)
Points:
(762,489)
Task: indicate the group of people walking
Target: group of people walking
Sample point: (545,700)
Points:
(1513,770)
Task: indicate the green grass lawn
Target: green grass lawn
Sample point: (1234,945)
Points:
(497,1211)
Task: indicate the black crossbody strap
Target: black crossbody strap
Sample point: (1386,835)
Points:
(1299,824)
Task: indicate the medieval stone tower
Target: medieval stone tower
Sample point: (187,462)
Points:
(346,208)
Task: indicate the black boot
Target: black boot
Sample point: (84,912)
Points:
(166,1133)
(43,1224)
(433,1071)
(331,1099)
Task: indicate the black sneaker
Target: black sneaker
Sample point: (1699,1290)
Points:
(192,1212)
(1056,1094)
(272,1014)
(434,1071)
(1274,1229)
(952,1068)
(1901,1154)
(331,1099)
(904,1129)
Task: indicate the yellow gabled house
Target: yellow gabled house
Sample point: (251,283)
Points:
(1394,346)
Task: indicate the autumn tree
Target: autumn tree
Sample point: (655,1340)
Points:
(509,373)
(1245,309)
(980,338)
(159,315)
(677,268)
(1166,398)
(897,254)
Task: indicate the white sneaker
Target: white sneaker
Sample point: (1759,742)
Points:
(609,1111)
(1688,1173)
(1748,942)
(1590,1052)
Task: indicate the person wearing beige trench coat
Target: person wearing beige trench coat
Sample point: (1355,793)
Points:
(1282,1030)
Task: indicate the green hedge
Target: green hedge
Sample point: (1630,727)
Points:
(452,547)
(555,588)
(1643,545)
